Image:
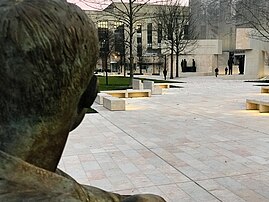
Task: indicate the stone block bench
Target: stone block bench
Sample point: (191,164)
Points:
(100,97)
(117,93)
(265,89)
(155,89)
(138,93)
(261,105)
(137,84)
(129,93)
(162,85)
(114,103)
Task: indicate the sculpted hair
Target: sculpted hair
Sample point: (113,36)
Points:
(47,56)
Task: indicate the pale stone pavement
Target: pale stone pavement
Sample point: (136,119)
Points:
(196,143)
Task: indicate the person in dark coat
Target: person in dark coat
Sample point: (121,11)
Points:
(193,63)
(165,73)
(182,65)
(193,66)
(226,70)
(185,64)
(241,65)
(230,65)
(216,71)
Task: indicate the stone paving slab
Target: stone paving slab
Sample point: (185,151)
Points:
(196,143)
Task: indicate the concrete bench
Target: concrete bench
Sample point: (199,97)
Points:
(155,89)
(116,93)
(138,93)
(162,85)
(100,96)
(137,84)
(265,89)
(261,105)
(114,103)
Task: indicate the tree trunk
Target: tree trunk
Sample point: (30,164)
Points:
(177,60)
(172,61)
(140,65)
(124,65)
(106,70)
(131,41)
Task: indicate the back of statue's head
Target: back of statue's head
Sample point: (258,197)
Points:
(47,57)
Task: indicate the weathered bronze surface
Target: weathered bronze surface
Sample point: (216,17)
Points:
(48,51)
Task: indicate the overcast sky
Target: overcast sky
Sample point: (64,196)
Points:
(97,4)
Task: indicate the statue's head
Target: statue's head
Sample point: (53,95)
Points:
(48,51)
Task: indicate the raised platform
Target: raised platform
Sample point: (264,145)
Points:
(190,74)
(129,93)
(265,89)
(100,98)
(138,93)
(114,103)
(255,104)
(116,93)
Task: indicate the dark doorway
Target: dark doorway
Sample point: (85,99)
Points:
(240,61)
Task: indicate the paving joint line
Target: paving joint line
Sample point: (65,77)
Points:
(209,117)
(192,180)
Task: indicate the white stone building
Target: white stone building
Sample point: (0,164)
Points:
(216,20)
(218,39)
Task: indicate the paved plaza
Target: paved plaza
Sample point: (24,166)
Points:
(196,143)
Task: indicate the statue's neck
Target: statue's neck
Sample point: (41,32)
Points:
(39,145)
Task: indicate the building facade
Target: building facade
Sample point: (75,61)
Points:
(231,22)
(114,40)
(221,34)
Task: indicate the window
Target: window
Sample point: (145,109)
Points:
(139,40)
(186,32)
(119,39)
(203,32)
(102,24)
(159,35)
(139,30)
(117,24)
(149,35)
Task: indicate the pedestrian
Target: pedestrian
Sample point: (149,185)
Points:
(193,63)
(230,65)
(193,66)
(216,71)
(185,63)
(241,65)
(165,73)
(182,65)
(226,70)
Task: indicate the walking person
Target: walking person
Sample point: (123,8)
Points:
(165,73)
(185,63)
(182,66)
(193,66)
(241,65)
(216,71)
(193,63)
(226,70)
(230,65)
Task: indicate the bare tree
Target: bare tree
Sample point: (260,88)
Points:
(128,12)
(106,44)
(175,20)
(253,14)
(240,13)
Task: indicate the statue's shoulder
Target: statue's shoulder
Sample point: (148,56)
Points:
(21,180)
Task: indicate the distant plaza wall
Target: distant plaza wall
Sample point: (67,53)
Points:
(206,54)
(256,53)
(211,50)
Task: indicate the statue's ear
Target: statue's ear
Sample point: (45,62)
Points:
(86,101)
(89,94)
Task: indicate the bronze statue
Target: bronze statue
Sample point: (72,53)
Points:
(48,52)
